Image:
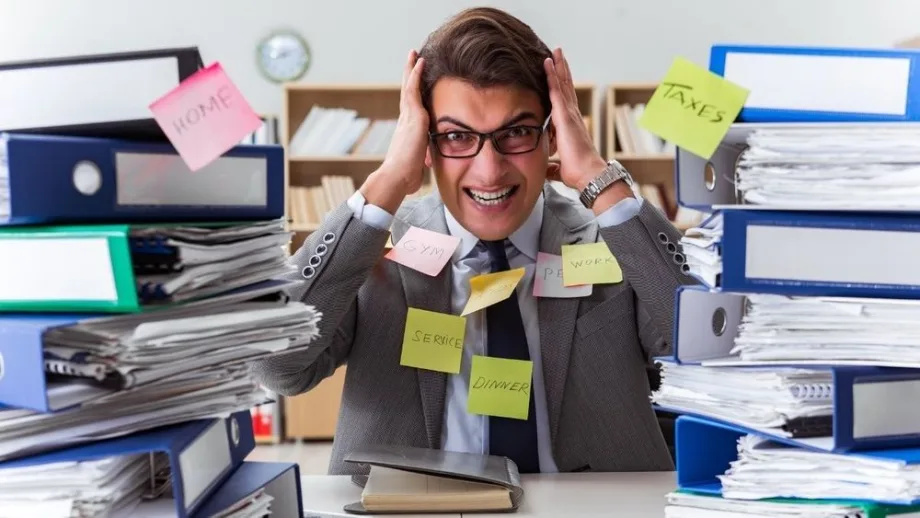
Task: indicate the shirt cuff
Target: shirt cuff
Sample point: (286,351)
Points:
(623,211)
(369,214)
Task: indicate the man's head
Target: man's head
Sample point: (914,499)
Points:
(484,73)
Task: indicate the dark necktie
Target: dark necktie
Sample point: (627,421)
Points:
(512,438)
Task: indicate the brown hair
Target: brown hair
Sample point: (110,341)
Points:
(486,47)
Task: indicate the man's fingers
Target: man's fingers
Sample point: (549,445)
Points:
(555,88)
(407,69)
(565,74)
(413,82)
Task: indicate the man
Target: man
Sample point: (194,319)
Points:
(475,106)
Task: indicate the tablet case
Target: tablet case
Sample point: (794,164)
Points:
(489,469)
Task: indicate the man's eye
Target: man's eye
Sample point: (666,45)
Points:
(456,137)
(518,132)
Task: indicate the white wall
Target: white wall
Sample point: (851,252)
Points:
(367,40)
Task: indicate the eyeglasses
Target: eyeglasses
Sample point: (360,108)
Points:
(513,140)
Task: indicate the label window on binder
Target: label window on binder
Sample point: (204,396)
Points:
(878,408)
(56,269)
(203,461)
(796,82)
(165,179)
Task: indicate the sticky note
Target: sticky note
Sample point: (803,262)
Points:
(500,387)
(433,341)
(424,250)
(205,116)
(547,279)
(489,288)
(693,108)
(590,263)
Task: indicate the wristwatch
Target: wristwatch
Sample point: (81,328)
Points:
(613,173)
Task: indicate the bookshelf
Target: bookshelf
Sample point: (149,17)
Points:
(645,156)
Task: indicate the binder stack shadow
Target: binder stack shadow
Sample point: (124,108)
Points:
(795,355)
(134,295)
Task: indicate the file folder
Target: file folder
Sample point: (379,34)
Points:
(93,95)
(28,373)
(829,254)
(59,179)
(709,185)
(706,449)
(200,455)
(278,480)
(803,84)
(127,268)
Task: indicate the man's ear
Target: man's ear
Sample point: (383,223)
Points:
(550,139)
(428,157)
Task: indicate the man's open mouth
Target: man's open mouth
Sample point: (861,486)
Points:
(491,197)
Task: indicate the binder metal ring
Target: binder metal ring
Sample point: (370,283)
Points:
(234,431)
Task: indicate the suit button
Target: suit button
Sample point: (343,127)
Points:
(671,247)
(663,238)
(308,272)
(315,260)
(679,258)
(321,249)
(328,237)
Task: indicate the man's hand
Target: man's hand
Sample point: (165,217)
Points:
(403,169)
(579,160)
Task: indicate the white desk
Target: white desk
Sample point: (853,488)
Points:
(566,494)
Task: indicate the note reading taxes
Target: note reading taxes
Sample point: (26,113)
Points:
(424,250)
(205,116)
(693,108)
(500,387)
(590,263)
(547,280)
(491,288)
(433,341)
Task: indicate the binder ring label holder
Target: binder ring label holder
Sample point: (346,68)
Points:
(87,177)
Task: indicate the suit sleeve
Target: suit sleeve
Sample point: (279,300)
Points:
(647,247)
(335,261)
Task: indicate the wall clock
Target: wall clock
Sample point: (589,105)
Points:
(283,56)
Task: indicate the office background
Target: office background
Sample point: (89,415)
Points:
(365,41)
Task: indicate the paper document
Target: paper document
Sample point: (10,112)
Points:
(5,207)
(847,167)
(690,505)
(769,470)
(787,402)
(701,247)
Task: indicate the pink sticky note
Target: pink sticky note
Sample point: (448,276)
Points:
(424,250)
(547,279)
(205,116)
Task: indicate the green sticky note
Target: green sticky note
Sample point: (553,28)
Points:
(500,387)
(693,108)
(433,341)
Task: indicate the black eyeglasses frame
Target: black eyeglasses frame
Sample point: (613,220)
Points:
(491,136)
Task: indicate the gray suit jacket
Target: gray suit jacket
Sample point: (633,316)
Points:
(595,349)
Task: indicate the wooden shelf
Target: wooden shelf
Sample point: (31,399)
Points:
(650,163)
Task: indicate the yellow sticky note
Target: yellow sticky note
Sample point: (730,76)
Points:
(590,263)
(500,387)
(693,108)
(433,341)
(490,288)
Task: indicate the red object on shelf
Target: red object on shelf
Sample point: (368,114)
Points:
(262,421)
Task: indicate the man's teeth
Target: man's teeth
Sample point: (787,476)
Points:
(491,198)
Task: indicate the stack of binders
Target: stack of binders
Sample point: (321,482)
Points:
(134,293)
(797,359)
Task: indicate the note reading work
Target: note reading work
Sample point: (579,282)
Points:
(590,263)
(433,341)
(491,288)
(500,387)
(547,280)
(205,116)
(693,108)
(424,250)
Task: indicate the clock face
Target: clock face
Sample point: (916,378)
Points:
(283,56)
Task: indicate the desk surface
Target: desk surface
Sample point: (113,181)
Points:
(545,495)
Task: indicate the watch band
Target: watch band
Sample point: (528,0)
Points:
(611,174)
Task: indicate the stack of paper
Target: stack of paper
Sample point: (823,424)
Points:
(690,505)
(5,209)
(787,402)
(175,264)
(847,166)
(829,330)
(766,469)
(194,395)
(700,246)
(257,505)
(103,487)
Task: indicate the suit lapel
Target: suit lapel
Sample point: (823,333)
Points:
(428,293)
(563,224)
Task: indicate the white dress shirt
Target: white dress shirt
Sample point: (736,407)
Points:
(463,431)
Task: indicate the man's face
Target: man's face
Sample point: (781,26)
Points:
(491,193)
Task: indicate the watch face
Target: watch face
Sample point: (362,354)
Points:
(283,56)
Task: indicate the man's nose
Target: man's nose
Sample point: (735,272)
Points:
(489,162)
